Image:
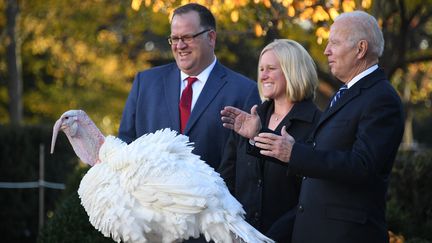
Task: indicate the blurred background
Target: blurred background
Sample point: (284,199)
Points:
(61,55)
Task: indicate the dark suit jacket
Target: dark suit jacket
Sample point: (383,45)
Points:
(266,189)
(153,104)
(347,163)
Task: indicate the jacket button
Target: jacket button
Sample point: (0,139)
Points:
(300,208)
(259,183)
(304,177)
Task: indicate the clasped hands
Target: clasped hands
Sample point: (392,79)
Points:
(248,126)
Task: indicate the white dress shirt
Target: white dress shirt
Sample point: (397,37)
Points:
(362,75)
(198,86)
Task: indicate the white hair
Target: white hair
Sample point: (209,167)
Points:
(365,27)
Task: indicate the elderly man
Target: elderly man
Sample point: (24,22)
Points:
(347,161)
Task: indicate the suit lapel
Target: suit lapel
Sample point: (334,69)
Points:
(211,88)
(346,98)
(350,94)
(171,84)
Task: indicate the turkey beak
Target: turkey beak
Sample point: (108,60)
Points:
(56,129)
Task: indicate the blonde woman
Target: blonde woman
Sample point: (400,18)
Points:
(287,81)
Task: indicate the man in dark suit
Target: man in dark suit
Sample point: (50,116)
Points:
(156,98)
(347,161)
(154,101)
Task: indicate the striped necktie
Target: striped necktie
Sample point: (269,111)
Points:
(338,94)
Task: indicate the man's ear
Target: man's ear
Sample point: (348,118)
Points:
(362,47)
(212,36)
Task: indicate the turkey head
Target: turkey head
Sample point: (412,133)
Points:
(85,138)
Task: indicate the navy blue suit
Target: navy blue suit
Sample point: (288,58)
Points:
(347,164)
(153,104)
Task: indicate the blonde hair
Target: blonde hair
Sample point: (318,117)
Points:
(298,68)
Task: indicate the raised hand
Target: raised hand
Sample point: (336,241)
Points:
(276,146)
(243,123)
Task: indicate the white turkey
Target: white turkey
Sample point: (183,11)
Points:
(153,189)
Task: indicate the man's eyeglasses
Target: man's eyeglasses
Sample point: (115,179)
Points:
(174,40)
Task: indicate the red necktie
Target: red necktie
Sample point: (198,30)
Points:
(185,103)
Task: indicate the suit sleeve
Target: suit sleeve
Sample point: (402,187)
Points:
(252,99)
(227,168)
(281,230)
(376,141)
(127,131)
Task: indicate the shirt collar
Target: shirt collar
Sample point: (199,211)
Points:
(203,76)
(362,75)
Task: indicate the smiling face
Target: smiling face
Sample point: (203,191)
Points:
(341,52)
(192,58)
(271,78)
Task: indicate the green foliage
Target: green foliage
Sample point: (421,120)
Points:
(422,126)
(70,222)
(409,208)
(80,55)
(19,162)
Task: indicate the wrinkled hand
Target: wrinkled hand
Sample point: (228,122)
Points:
(276,146)
(243,123)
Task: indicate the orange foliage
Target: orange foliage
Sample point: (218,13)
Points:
(258,29)
(393,238)
(306,10)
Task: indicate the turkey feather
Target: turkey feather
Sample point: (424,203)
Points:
(157,186)
(153,189)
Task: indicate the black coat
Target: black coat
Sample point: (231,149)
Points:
(265,188)
(347,162)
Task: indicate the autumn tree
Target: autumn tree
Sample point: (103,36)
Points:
(406,26)
(13,61)
(408,54)
(80,55)
(73,51)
